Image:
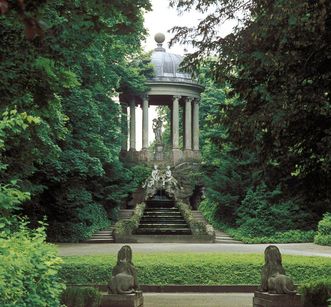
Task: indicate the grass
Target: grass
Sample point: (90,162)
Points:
(193,268)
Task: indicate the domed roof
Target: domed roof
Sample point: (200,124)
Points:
(166,64)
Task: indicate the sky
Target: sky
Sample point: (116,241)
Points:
(161,19)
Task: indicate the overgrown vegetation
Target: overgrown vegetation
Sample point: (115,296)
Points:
(123,229)
(81,297)
(323,235)
(198,228)
(316,293)
(265,111)
(193,268)
(28,268)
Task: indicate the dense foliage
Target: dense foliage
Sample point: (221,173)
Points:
(316,293)
(266,129)
(192,268)
(61,78)
(81,297)
(323,235)
(29,269)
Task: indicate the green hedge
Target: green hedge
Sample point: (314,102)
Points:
(193,268)
(81,297)
(323,236)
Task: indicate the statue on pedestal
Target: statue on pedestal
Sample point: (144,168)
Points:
(273,278)
(157,129)
(124,276)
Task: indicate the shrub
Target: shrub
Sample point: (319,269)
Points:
(90,218)
(81,297)
(192,268)
(210,210)
(124,228)
(29,269)
(323,236)
(316,293)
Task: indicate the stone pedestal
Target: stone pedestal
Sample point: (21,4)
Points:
(159,154)
(123,300)
(188,154)
(176,155)
(265,299)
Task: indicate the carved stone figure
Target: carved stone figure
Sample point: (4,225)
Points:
(273,278)
(157,129)
(169,183)
(152,183)
(124,276)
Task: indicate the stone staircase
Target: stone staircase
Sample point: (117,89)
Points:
(162,218)
(105,235)
(221,237)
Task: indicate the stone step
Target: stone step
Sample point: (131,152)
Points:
(161,220)
(162,225)
(159,213)
(163,231)
(110,240)
(228,242)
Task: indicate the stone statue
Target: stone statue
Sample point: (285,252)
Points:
(157,129)
(273,278)
(169,183)
(152,183)
(124,276)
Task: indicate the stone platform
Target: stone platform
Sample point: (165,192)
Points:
(265,299)
(123,300)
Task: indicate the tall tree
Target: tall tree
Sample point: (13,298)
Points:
(278,61)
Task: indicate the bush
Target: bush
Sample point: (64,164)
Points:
(192,268)
(316,293)
(29,270)
(210,210)
(323,236)
(81,297)
(91,218)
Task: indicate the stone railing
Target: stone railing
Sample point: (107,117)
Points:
(198,228)
(124,229)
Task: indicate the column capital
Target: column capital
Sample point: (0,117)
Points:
(144,96)
(189,99)
(176,97)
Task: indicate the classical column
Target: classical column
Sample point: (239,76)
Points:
(124,126)
(188,124)
(132,124)
(145,123)
(175,122)
(196,124)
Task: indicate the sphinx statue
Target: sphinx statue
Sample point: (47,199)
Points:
(124,276)
(273,278)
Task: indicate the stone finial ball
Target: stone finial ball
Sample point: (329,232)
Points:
(159,38)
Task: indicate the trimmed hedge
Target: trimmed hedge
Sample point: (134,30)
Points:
(192,268)
(81,297)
